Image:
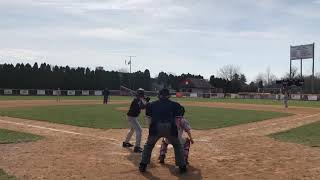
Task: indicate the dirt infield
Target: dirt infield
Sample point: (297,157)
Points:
(239,152)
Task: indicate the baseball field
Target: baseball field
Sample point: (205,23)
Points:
(79,138)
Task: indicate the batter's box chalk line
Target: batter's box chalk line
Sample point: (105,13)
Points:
(60,130)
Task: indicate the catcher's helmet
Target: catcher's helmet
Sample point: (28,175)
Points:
(140,92)
(182,111)
(164,93)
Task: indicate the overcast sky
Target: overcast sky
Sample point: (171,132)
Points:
(177,36)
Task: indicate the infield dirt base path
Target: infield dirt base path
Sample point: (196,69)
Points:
(239,152)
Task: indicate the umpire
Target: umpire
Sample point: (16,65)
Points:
(162,115)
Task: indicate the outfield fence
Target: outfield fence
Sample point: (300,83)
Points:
(304,97)
(128,92)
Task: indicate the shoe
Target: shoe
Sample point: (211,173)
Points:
(161,159)
(125,145)
(137,149)
(142,167)
(183,169)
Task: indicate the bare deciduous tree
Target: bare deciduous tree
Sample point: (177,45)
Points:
(294,73)
(267,78)
(228,71)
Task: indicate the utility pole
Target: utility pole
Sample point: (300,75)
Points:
(130,63)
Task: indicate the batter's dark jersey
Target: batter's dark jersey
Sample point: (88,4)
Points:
(135,107)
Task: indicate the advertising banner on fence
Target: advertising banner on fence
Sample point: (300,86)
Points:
(7,92)
(235,96)
(296,96)
(217,95)
(24,92)
(85,93)
(41,92)
(71,92)
(301,52)
(98,93)
(193,95)
(312,98)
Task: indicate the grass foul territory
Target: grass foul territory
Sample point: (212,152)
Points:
(308,135)
(7,136)
(114,116)
(5,176)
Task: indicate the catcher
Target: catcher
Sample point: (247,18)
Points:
(183,126)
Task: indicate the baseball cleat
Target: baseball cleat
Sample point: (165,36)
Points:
(125,145)
(142,167)
(137,150)
(183,169)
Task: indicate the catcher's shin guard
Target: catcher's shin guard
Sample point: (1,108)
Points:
(163,148)
(186,148)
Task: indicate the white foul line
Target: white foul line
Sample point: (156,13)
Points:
(57,130)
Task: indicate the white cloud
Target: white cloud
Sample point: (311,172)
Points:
(164,8)
(316,2)
(111,33)
(272,34)
(22,54)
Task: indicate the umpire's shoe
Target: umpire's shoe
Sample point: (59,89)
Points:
(142,167)
(183,169)
(137,149)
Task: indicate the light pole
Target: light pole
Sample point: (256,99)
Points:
(130,63)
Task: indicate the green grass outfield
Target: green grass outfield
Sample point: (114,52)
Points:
(5,176)
(238,101)
(7,136)
(307,135)
(106,116)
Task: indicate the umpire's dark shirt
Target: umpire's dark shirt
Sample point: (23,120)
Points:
(163,111)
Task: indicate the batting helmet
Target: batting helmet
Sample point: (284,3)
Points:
(140,92)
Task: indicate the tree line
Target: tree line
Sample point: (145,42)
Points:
(45,76)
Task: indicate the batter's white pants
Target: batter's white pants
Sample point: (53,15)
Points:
(134,126)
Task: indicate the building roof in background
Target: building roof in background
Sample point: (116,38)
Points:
(195,83)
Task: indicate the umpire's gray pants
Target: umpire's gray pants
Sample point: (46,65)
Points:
(164,130)
(134,126)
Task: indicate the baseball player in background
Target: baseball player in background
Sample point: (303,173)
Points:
(183,126)
(138,103)
(106,94)
(58,94)
(286,98)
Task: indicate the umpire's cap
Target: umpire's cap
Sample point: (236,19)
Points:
(140,92)
(164,93)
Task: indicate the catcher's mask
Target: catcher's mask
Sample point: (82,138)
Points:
(182,111)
